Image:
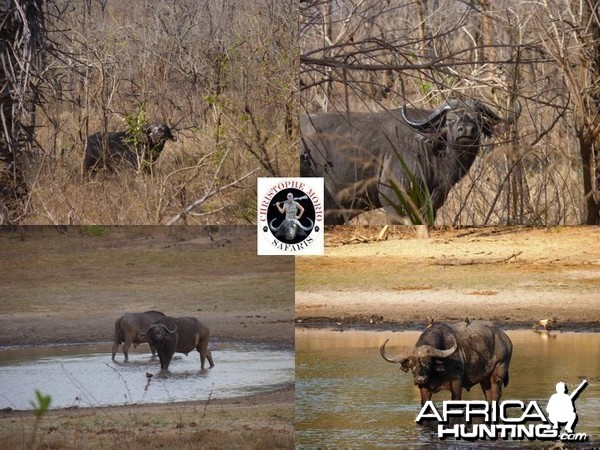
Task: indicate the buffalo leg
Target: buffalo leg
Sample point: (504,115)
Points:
(456,389)
(492,386)
(486,387)
(115,348)
(165,360)
(126,346)
(164,365)
(204,354)
(425,395)
(168,358)
(153,350)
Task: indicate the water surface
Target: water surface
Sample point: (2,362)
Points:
(85,376)
(348,396)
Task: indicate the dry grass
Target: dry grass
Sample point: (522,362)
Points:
(223,74)
(188,170)
(532,175)
(467,260)
(262,422)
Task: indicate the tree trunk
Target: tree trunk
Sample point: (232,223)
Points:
(589,133)
(21,34)
(590,178)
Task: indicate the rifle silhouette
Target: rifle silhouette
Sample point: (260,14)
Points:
(578,389)
(304,197)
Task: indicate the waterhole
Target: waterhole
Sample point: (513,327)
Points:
(85,376)
(347,396)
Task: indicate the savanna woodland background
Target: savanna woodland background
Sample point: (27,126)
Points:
(223,73)
(368,55)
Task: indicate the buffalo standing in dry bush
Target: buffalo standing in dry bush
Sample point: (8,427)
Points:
(361,155)
(127,327)
(178,334)
(121,151)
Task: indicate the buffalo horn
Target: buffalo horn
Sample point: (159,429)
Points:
(432,352)
(432,120)
(167,330)
(514,115)
(306,228)
(273,229)
(395,359)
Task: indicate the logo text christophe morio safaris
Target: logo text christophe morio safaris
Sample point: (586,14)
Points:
(290,216)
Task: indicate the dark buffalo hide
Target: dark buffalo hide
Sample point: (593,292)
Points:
(362,155)
(456,356)
(178,334)
(121,152)
(127,328)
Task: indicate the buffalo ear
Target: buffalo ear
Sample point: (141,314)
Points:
(436,131)
(436,144)
(151,130)
(488,128)
(407,364)
(439,366)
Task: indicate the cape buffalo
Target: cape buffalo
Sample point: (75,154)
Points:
(127,327)
(362,156)
(456,356)
(121,151)
(178,334)
(290,228)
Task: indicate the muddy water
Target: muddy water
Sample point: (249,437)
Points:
(348,396)
(85,376)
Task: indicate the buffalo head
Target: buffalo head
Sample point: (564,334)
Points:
(157,332)
(159,134)
(289,228)
(460,123)
(423,361)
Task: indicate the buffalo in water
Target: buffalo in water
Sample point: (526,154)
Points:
(127,327)
(178,334)
(117,149)
(364,156)
(456,356)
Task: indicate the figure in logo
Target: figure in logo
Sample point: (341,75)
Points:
(291,226)
(291,207)
(561,407)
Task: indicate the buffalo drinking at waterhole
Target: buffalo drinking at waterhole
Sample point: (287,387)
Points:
(178,334)
(456,356)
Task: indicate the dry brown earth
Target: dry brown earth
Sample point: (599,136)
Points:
(514,276)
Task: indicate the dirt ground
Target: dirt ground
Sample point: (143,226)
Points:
(68,285)
(513,276)
(262,421)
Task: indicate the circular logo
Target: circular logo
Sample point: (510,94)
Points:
(291,216)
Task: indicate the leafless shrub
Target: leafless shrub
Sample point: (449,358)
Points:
(222,72)
(371,55)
